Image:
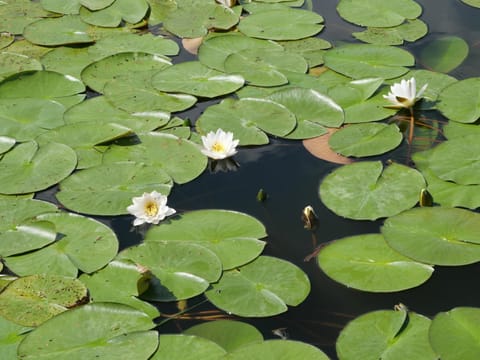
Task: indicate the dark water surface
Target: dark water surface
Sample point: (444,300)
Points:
(291,177)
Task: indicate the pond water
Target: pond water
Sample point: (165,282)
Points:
(290,176)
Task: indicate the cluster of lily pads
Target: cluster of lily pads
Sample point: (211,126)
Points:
(122,148)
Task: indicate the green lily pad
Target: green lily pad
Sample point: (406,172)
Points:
(296,24)
(367,263)
(455,334)
(6,40)
(313,111)
(85,244)
(386,334)
(474,3)
(180,158)
(40,84)
(229,334)
(120,282)
(236,242)
(16,211)
(24,119)
(368,60)
(11,334)
(100,110)
(454,130)
(411,30)
(134,92)
(365,139)
(130,11)
(68,29)
(96,4)
(15,15)
(246,118)
(367,191)
(277,349)
(447,193)
(182,270)
(264,67)
(11,63)
(312,49)
(67,60)
(378,13)
(457,160)
(435,235)
(459,101)
(444,54)
(192,77)
(208,15)
(29,167)
(104,330)
(263,287)
(6,143)
(108,189)
(32,300)
(187,347)
(66,7)
(97,74)
(214,50)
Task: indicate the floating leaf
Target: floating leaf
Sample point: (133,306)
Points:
(365,139)
(96,4)
(120,282)
(85,244)
(11,335)
(454,130)
(180,158)
(69,29)
(108,189)
(459,101)
(31,300)
(183,270)
(474,3)
(69,7)
(319,147)
(444,54)
(378,13)
(366,262)
(18,14)
(12,63)
(229,334)
(187,347)
(296,24)
(264,67)
(277,349)
(367,60)
(246,118)
(130,11)
(367,191)
(455,334)
(16,211)
(263,287)
(6,143)
(29,167)
(97,74)
(386,334)
(312,49)
(235,242)
(435,235)
(192,77)
(411,30)
(312,110)
(104,330)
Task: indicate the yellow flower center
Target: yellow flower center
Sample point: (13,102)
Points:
(151,208)
(217,147)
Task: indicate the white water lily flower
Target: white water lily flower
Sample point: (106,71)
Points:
(150,208)
(219,145)
(404,94)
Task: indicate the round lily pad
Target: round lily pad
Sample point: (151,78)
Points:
(108,189)
(11,335)
(104,330)
(187,347)
(435,235)
(444,54)
(368,60)
(277,349)
(246,118)
(263,287)
(235,242)
(455,334)
(366,139)
(180,158)
(367,191)
(32,300)
(183,270)
(378,13)
(29,167)
(6,143)
(130,11)
(192,77)
(296,24)
(366,262)
(411,30)
(459,101)
(85,244)
(386,334)
(12,63)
